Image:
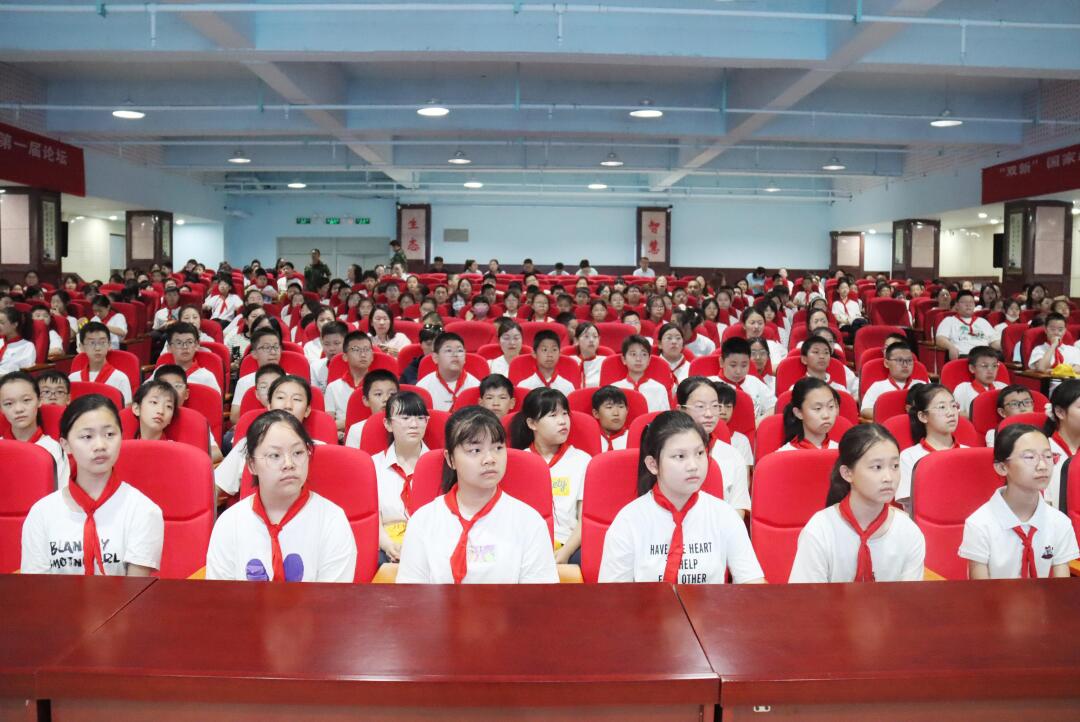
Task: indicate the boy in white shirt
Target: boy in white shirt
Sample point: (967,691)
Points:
(727,398)
(183,341)
(546,353)
(224,305)
(609,408)
(113,320)
(900,362)
(1047,356)
(379,385)
(94,341)
(170,312)
(265,349)
(450,377)
(332,336)
(734,371)
(636,356)
(963,332)
(983,363)
(359,353)
(1013,400)
(816,355)
(497,395)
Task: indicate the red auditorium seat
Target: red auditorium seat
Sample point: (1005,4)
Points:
(770,436)
(29,475)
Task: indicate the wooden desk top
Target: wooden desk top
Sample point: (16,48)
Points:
(847,643)
(392,645)
(45,615)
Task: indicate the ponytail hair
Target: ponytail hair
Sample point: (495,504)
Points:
(855,442)
(537,404)
(919,398)
(655,434)
(793,425)
(1064,396)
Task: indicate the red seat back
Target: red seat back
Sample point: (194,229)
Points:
(770,435)
(524,366)
(474,364)
(584,431)
(786,494)
(890,404)
(956,372)
(294,363)
(320,425)
(900,428)
(373,439)
(581,400)
(187,427)
(474,333)
(706,365)
(612,334)
(1035,418)
(529,329)
(356,410)
(791,369)
(212,329)
(207,402)
(471,397)
(984,414)
(29,475)
(946,488)
(870,337)
(179,479)
(85,388)
(125,362)
(888,311)
(406,356)
(346,477)
(633,440)
(1011,336)
(848,408)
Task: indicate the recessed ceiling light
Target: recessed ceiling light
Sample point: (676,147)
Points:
(872,231)
(128,112)
(473,184)
(297,185)
(114,218)
(1076,211)
(945,120)
(995,220)
(433,111)
(79,218)
(239,158)
(180,221)
(459,158)
(771,188)
(612,161)
(833,164)
(982,215)
(646,111)
(598,186)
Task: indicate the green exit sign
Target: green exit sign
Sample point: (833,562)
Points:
(333,221)
(362,221)
(303,221)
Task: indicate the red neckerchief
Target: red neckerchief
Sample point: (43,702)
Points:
(676,367)
(459,558)
(546,382)
(1028,570)
(224,300)
(7,345)
(675,548)
(36,436)
(970,324)
(108,318)
(457,387)
(558,454)
(91,543)
(348,378)
(610,439)
(897,387)
(277,561)
(1059,358)
(729,382)
(864,569)
(103,375)
(979,388)
(923,443)
(636,385)
(1060,441)
(807,444)
(406,485)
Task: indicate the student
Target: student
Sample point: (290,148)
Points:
(331,340)
(169,311)
(696,343)
(359,354)
(454,537)
(543,427)
(1048,356)
(284,532)
(450,377)
(810,415)
(497,395)
(753,321)
(508,331)
(609,408)
(406,423)
(313,349)
(384,337)
(636,356)
(817,318)
(961,333)
(191,314)
(154,406)
(20,403)
(546,353)
(115,322)
(54,388)
(266,350)
(224,304)
(174,376)
(727,397)
(674,532)
(670,340)
(860,536)
(184,345)
(1016,534)
(933,414)
(983,363)
(428,333)
(699,397)
(1012,400)
(94,340)
(541,306)
(97,523)
(845,310)
(587,341)
(761,363)
(734,370)
(17,349)
(900,363)
(56,344)
(1063,429)
(379,385)
(816,356)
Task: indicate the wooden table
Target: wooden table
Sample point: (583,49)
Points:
(233,650)
(43,617)
(1000,650)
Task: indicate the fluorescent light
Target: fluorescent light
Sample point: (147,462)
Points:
(114,218)
(433,111)
(180,221)
(473,184)
(646,111)
(945,120)
(1076,211)
(995,220)
(297,185)
(872,231)
(982,215)
(459,158)
(598,186)
(239,158)
(129,114)
(833,164)
(612,161)
(771,188)
(79,218)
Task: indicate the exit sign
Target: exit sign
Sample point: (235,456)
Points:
(300,221)
(332,221)
(362,221)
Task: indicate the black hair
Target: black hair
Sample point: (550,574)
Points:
(669,326)
(290,379)
(793,425)
(814,312)
(261,425)
(144,390)
(389,314)
(812,341)
(334,327)
(429,333)
(855,442)
(374,376)
(538,403)
(982,352)
(406,403)
(1012,389)
(263,332)
(1005,440)
(691,384)
(180,328)
(267,369)
(545,334)
(584,326)
(84,405)
(918,399)
(898,346)
(635,340)
(471,423)
(735,346)
(446,337)
(961,294)
(726,394)
(494,382)
(93,327)
(608,393)
(653,437)
(1064,396)
(750,311)
(53,375)
(1054,316)
(24,376)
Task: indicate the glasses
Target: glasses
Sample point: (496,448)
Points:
(1032,459)
(98,343)
(53,394)
(185,344)
(1025,404)
(902,361)
(944,408)
(408,420)
(268,349)
(276,460)
(360,350)
(702,408)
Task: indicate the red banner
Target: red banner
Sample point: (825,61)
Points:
(41,162)
(1036,175)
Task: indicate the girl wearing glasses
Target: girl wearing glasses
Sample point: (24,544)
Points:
(700,398)
(1063,429)
(283,532)
(933,414)
(1016,534)
(406,423)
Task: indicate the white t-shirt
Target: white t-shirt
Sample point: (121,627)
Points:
(441,398)
(680,369)
(908,458)
(1070,354)
(846,311)
(714,541)
(567,490)
(320,372)
(742,445)
(352,437)
(733,470)
(130,529)
(499,365)
(203,376)
(391,509)
(20,355)
(758,390)
(989,538)
(616,443)
(965,338)
(884,386)
(534,382)
(965,394)
(223,309)
(313,350)
(657,396)
(243,385)
(591,370)
(644,272)
(701,345)
(117,321)
(827,444)
(509,545)
(164,315)
(337,395)
(117,379)
(60,460)
(317,545)
(828,550)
